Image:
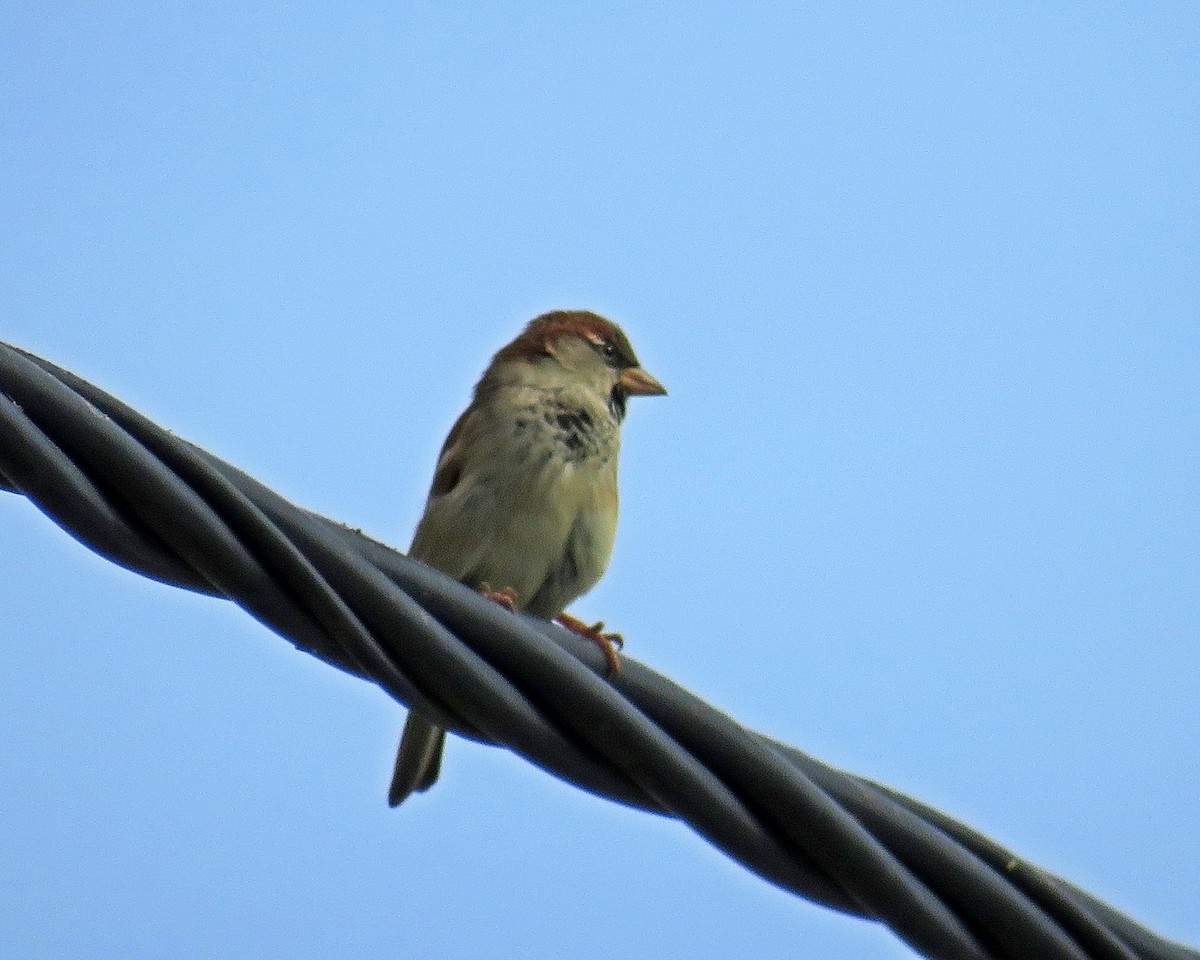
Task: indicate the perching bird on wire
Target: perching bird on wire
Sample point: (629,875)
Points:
(523,504)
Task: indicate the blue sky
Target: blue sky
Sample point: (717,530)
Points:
(922,501)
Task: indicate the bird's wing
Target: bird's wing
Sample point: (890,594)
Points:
(450,535)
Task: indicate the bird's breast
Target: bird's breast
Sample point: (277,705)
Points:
(563,433)
(534,506)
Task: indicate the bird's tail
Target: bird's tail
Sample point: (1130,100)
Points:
(418,759)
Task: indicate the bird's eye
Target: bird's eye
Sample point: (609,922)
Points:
(607,348)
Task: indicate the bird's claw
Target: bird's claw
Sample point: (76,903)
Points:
(507,598)
(609,643)
(614,638)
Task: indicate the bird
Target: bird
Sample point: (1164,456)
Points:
(523,504)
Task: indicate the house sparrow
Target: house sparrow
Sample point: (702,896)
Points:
(523,504)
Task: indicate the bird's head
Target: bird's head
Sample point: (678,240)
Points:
(585,348)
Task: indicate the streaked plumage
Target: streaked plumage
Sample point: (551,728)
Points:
(524,496)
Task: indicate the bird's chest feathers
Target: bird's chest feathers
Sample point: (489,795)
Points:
(568,467)
(562,441)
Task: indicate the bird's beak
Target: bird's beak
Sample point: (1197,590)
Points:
(638,383)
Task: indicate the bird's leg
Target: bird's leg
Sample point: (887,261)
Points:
(507,598)
(609,643)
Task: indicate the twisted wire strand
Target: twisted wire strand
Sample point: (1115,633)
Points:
(171,511)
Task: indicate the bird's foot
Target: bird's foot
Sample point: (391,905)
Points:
(609,643)
(507,598)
